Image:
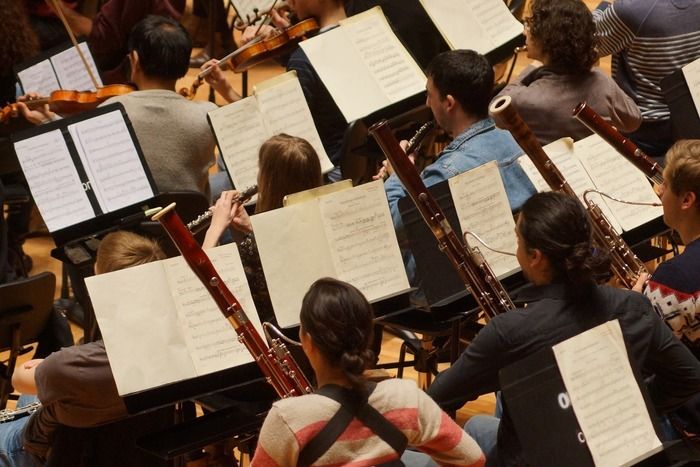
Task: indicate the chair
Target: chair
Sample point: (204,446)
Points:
(25,309)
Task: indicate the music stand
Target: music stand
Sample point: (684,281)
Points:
(685,121)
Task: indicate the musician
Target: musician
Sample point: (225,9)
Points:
(561,301)
(75,385)
(560,34)
(336,328)
(648,40)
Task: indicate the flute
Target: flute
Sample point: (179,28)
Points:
(202,221)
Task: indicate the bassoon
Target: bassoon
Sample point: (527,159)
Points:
(624,263)
(622,144)
(275,361)
(469,263)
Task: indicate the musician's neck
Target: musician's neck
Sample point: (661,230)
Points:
(690,230)
(460,123)
(330,17)
(146,83)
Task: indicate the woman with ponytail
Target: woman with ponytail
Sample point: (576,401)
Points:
(562,300)
(349,420)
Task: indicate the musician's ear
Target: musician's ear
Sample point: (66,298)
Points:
(689,200)
(450,102)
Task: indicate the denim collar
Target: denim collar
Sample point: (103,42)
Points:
(479,127)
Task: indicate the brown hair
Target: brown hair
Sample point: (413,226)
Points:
(682,171)
(123,249)
(18,42)
(287,165)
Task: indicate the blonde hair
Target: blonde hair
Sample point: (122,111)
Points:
(287,165)
(682,171)
(123,249)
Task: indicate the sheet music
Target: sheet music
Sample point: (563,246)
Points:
(211,340)
(240,130)
(597,375)
(362,240)
(363,65)
(53,180)
(246,8)
(691,72)
(39,78)
(618,177)
(282,102)
(71,72)
(294,253)
(111,161)
(481,25)
(482,207)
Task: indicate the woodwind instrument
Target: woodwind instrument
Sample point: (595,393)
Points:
(203,220)
(420,135)
(469,263)
(276,363)
(621,143)
(624,263)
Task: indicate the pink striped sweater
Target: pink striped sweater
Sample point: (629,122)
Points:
(291,423)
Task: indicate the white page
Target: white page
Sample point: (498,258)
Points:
(246,8)
(53,180)
(71,72)
(294,253)
(240,130)
(362,240)
(691,72)
(211,340)
(136,314)
(39,78)
(482,207)
(111,161)
(618,177)
(481,25)
(597,374)
(285,110)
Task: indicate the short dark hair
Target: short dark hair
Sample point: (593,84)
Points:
(340,321)
(558,226)
(467,76)
(163,46)
(566,33)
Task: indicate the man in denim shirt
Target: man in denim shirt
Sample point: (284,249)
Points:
(460,84)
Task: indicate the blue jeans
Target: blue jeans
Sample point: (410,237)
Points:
(417,459)
(11,435)
(484,429)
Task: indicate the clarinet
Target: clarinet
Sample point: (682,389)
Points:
(469,263)
(417,139)
(276,363)
(621,143)
(203,220)
(624,263)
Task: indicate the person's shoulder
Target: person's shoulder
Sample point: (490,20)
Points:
(61,361)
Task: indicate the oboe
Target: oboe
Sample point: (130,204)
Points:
(469,263)
(417,139)
(621,143)
(624,263)
(202,221)
(276,363)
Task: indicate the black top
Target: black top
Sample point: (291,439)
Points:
(548,317)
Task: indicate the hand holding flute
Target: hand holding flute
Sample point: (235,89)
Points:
(228,211)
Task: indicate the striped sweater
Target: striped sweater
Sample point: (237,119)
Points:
(649,39)
(291,423)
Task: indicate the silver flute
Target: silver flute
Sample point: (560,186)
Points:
(202,221)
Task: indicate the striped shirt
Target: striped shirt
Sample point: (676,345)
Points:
(649,40)
(292,423)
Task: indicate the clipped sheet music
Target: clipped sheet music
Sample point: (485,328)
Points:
(363,65)
(605,396)
(691,73)
(481,25)
(348,235)
(277,106)
(162,310)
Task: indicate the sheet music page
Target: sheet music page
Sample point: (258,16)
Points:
(691,72)
(481,25)
(71,72)
(137,316)
(211,340)
(597,375)
(111,161)
(285,110)
(53,180)
(482,207)
(39,78)
(562,154)
(246,8)
(618,177)
(240,130)
(362,241)
(294,253)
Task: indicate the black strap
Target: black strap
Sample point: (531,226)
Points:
(351,406)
